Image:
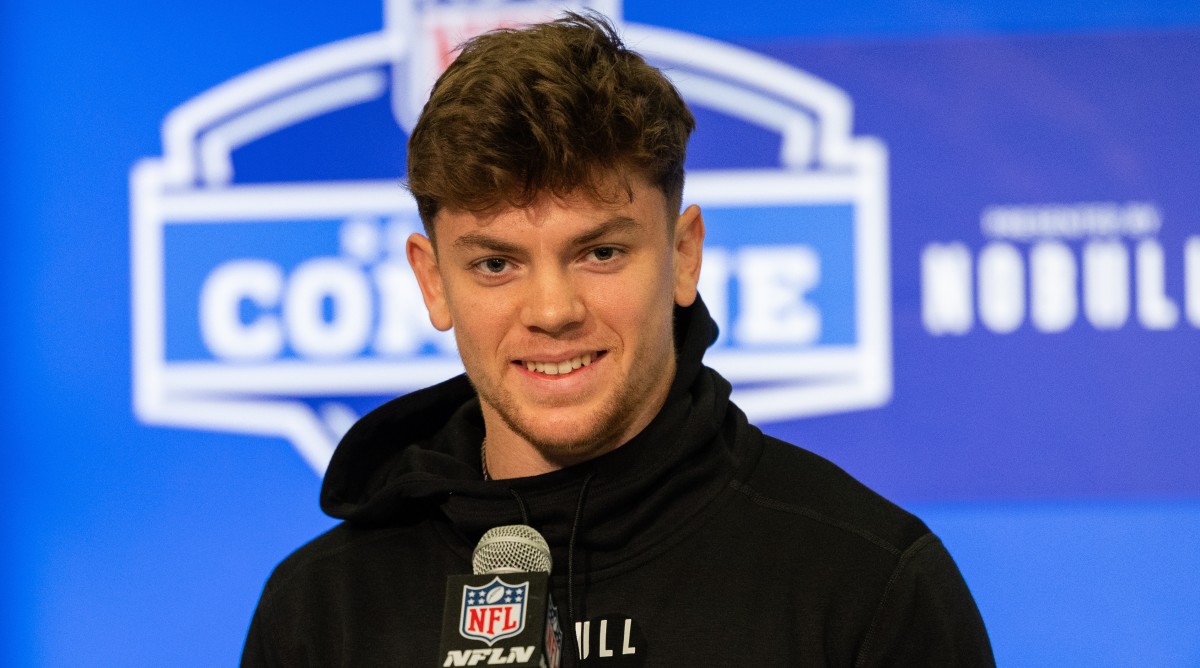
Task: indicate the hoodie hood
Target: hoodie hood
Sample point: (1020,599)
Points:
(418,457)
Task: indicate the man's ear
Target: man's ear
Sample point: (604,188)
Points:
(424,263)
(689,246)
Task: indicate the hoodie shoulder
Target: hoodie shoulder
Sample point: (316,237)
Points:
(380,582)
(791,479)
(337,553)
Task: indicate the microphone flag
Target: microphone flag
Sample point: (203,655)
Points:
(500,619)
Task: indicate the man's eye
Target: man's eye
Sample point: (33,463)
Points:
(604,253)
(494,265)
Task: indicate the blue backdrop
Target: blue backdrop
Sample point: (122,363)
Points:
(1020,369)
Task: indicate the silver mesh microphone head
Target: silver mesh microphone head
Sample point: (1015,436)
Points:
(515,548)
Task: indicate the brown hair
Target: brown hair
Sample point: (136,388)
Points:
(550,108)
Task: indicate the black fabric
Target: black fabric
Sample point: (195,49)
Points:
(702,542)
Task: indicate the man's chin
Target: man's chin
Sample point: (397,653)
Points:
(564,435)
(567,443)
(569,448)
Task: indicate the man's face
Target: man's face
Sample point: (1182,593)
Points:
(563,314)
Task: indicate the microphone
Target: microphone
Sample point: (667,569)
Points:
(503,614)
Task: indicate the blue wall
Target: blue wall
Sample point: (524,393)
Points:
(1061,470)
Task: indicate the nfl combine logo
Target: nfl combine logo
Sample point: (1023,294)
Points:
(272,295)
(494,611)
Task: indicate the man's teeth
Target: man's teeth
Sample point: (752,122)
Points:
(556,368)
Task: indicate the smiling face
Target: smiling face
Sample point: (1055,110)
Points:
(563,315)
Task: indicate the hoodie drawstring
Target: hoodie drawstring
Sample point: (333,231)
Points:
(521,506)
(571,558)
(583,488)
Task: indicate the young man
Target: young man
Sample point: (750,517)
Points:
(548,170)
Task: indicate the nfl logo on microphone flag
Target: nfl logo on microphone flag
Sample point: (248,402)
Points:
(506,619)
(493,611)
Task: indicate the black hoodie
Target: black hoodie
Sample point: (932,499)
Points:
(700,542)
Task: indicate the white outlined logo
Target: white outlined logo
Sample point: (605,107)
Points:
(493,612)
(262,306)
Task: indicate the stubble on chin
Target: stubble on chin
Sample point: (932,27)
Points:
(605,428)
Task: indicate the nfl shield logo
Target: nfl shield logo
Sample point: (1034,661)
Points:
(494,611)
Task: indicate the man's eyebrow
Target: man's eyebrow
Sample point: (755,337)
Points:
(610,226)
(481,241)
(478,240)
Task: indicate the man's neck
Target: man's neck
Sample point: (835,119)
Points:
(502,458)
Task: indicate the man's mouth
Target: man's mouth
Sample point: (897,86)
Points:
(563,367)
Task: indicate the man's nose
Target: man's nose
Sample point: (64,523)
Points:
(553,303)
